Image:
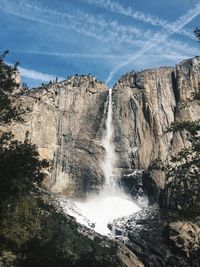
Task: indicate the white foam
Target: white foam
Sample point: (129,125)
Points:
(105,207)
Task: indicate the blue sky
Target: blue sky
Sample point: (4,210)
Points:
(106,38)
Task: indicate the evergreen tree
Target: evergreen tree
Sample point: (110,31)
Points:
(183,174)
(182,191)
(197,33)
(8,85)
(20,165)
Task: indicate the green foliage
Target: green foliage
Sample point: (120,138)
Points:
(197,94)
(191,126)
(8,259)
(197,33)
(188,157)
(20,166)
(8,110)
(40,236)
(183,186)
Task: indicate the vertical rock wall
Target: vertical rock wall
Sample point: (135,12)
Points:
(65,121)
(145,104)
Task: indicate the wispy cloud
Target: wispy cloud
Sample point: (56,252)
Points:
(39,76)
(36,75)
(80,22)
(115,7)
(70,55)
(108,31)
(158,54)
(41,15)
(158,38)
(88,25)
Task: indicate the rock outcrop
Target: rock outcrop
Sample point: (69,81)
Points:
(65,121)
(145,104)
(159,238)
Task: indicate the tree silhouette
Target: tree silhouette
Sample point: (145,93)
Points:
(197,33)
(20,165)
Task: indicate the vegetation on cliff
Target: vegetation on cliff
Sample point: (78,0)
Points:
(20,164)
(182,189)
(8,85)
(197,33)
(183,174)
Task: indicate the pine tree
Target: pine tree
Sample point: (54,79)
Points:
(20,165)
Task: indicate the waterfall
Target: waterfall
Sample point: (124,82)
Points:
(107,142)
(111,202)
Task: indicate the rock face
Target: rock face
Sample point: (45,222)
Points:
(65,121)
(145,104)
(158,239)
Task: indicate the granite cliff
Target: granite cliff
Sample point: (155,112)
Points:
(146,103)
(66,121)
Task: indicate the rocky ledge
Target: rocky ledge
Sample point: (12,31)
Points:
(160,238)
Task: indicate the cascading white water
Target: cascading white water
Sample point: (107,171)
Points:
(107,142)
(111,202)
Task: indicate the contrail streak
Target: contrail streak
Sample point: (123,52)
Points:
(169,55)
(159,38)
(70,55)
(80,22)
(117,8)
